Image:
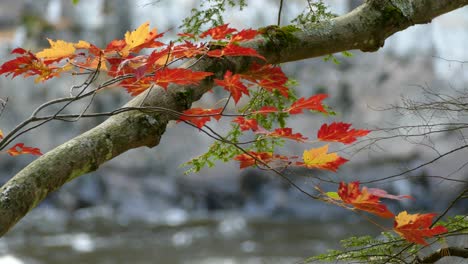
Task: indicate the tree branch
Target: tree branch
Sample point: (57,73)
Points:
(365,28)
(445,252)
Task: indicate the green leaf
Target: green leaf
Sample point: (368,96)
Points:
(75,1)
(333,195)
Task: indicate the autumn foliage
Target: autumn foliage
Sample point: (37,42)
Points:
(137,73)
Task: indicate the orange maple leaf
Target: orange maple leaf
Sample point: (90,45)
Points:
(200,116)
(1,134)
(246,124)
(178,76)
(233,84)
(312,103)
(20,149)
(320,159)
(340,132)
(362,199)
(416,227)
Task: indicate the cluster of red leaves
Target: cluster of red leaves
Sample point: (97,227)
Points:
(138,73)
(412,227)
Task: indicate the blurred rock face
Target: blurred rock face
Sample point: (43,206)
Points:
(148,180)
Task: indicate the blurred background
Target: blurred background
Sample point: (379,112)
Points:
(142,208)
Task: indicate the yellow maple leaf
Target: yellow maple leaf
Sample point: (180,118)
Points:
(320,159)
(82,45)
(58,50)
(1,134)
(137,38)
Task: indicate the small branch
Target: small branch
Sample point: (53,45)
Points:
(279,13)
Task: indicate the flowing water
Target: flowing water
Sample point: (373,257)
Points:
(225,239)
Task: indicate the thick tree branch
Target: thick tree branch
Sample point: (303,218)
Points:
(445,252)
(366,28)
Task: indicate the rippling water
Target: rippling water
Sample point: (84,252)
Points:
(229,239)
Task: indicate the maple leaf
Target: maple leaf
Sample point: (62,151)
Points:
(320,159)
(287,133)
(250,159)
(186,35)
(219,32)
(234,50)
(243,35)
(159,58)
(138,39)
(115,46)
(233,84)
(58,50)
(362,199)
(265,110)
(246,124)
(20,149)
(188,50)
(312,103)
(416,227)
(1,134)
(178,76)
(268,77)
(340,132)
(200,116)
(27,65)
(136,86)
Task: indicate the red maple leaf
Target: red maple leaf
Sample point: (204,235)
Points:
(20,149)
(312,103)
(246,124)
(178,76)
(27,65)
(286,133)
(234,50)
(268,77)
(243,35)
(200,116)
(219,32)
(416,227)
(136,86)
(250,159)
(362,199)
(265,110)
(340,132)
(233,84)
(188,50)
